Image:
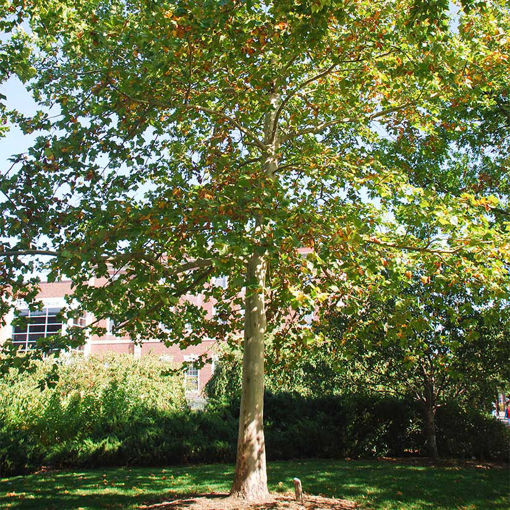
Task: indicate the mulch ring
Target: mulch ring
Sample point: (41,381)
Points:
(217,501)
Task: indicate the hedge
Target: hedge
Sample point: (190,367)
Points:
(120,411)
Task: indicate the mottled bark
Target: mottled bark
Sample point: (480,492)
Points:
(250,481)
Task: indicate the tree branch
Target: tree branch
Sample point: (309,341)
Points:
(316,77)
(423,249)
(248,132)
(179,292)
(287,98)
(20,253)
(325,125)
(186,266)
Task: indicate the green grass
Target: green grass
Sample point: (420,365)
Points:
(376,485)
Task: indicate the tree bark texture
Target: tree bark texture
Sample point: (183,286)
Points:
(250,481)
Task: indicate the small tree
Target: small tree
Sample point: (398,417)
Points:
(431,341)
(186,140)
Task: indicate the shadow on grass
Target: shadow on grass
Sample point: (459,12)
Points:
(390,485)
(377,485)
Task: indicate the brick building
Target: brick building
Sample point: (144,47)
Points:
(45,323)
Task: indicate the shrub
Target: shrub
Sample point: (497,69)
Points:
(466,433)
(117,411)
(76,411)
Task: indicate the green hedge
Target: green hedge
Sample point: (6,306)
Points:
(466,433)
(120,411)
(334,426)
(360,425)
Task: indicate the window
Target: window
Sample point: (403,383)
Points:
(110,327)
(81,321)
(38,324)
(192,379)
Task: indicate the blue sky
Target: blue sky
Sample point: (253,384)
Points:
(15,141)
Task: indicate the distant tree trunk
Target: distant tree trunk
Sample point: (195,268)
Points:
(430,422)
(250,480)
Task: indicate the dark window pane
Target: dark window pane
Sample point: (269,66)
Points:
(20,329)
(54,328)
(36,328)
(54,322)
(37,320)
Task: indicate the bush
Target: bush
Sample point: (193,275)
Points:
(336,426)
(77,411)
(332,426)
(466,433)
(361,425)
(346,424)
(120,411)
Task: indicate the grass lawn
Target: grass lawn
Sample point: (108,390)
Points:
(373,484)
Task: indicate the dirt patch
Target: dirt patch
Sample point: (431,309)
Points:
(273,502)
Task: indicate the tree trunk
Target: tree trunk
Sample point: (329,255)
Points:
(250,480)
(430,429)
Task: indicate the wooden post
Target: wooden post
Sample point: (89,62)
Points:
(298,490)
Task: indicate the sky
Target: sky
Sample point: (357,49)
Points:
(15,141)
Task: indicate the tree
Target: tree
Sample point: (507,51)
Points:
(431,341)
(182,141)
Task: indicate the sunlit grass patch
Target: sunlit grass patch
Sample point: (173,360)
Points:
(372,484)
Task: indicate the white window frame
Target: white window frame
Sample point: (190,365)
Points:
(190,359)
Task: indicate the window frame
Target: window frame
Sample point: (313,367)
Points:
(187,376)
(40,329)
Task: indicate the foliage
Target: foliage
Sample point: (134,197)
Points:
(433,340)
(312,372)
(174,186)
(77,411)
(117,411)
(381,485)
(465,432)
(432,330)
(355,415)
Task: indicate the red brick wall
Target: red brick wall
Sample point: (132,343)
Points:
(123,345)
(124,348)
